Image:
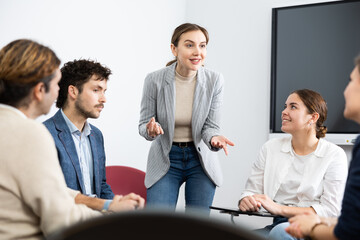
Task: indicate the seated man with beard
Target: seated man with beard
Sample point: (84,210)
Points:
(80,145)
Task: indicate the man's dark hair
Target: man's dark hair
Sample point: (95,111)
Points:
(77,73)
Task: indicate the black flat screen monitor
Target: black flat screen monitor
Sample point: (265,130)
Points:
(314,46)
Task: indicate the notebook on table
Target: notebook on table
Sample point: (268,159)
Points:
(236,212)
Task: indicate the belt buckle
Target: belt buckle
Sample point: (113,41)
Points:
(183,144)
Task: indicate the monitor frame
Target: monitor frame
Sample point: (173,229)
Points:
(335,137)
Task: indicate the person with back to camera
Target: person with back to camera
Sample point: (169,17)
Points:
(300,173)
(35,200)
(347,225)
(180,113)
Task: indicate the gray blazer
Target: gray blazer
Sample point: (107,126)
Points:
(158,100)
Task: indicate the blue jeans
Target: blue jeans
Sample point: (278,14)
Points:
(278,232)
(184,167)
(268,229)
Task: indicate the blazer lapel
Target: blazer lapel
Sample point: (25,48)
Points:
(169,99)
(94,151)
(197,111)
(68,143)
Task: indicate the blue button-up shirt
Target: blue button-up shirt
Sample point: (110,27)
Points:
(83,149)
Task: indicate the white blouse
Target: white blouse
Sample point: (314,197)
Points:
(323,176)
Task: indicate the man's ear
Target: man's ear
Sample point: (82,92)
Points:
(39,91)
(73,92)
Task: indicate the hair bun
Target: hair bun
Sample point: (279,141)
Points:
(323,129)
(320,133)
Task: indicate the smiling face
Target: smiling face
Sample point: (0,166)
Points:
(295,116)
(90,101)
(190,52)
(352,96)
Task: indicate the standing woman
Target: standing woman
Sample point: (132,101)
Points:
(180,113)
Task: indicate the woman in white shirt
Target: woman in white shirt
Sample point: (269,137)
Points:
(297,174)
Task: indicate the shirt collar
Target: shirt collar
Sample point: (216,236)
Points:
(319,151)
(185,79)
(73,128)
(11,108)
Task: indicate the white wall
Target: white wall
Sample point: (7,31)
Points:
(133,39)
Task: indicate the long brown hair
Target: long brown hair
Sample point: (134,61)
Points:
(184,28)
(314,102)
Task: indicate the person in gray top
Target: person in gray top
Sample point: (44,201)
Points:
(180,114)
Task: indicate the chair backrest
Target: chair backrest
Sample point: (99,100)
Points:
(159,225)
(124,180)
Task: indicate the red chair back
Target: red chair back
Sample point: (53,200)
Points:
(124,180)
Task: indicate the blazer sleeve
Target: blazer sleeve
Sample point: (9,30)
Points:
(106,191)
(212,123)
(148,106)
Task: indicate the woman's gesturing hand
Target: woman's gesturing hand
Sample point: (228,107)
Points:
(153,128)
(221,142)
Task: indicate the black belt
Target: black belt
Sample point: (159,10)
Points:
(183,144)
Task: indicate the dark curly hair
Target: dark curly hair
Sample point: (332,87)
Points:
(77,73)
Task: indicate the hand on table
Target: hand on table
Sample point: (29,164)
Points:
(131,201)
(249,204)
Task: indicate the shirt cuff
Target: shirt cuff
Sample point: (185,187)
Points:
(106,205)
(319,210)
(245,194)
